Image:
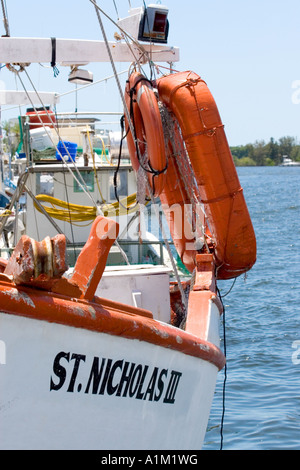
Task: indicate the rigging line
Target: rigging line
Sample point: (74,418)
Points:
(137,60)
(97,9)
(94,165)
(67,195)
(83,183)
(5,17)
(116,9)
(151,43)
(224,295)
(225,372)
(126,36)
(83,186)
(70,219)
(183,297)
(91,84)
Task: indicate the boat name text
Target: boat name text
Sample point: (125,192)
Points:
(108,377)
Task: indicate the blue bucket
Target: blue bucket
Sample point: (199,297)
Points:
(71,148)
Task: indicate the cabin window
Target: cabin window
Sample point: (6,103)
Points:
(88,177)
(122,184)
(45,183)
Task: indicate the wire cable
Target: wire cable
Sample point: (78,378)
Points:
(225,372)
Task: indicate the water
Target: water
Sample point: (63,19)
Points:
(262,393)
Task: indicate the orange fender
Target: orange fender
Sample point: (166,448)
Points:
(189,98)
(148,128)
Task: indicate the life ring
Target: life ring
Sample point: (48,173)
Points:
(187,96)
(134,111)
(145,117)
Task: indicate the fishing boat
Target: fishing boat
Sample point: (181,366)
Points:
(127,356)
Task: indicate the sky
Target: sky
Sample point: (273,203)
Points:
(248,52)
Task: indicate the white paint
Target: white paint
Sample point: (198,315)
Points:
(78,52)
(137,299)
(122,283)
(12,97)
(212,333)
(139,94)
(33,417)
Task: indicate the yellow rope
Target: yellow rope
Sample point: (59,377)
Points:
(77,213)
(6,213)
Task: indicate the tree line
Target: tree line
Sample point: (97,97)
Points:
(261,153)
(258,154)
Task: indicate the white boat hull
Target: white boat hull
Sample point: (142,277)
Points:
(50,398)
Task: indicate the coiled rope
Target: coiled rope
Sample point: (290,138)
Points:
(75,213)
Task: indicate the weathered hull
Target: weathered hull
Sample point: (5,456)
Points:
(63,387)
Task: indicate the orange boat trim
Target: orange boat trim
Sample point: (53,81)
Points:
(104,317)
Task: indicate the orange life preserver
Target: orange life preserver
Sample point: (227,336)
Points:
(145,117)
(187,96)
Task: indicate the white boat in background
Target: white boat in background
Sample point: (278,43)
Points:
(124,356)
(286,161)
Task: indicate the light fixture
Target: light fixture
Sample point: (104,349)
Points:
(80,76)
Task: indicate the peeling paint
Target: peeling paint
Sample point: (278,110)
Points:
(19,296)
(204,347)
(75,310)
(179,340)
(92,311)
(162,334)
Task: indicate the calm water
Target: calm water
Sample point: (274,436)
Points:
(262,318)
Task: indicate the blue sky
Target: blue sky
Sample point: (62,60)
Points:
(248,52)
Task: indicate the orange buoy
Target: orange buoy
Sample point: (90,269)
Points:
(187,96)
(146,120)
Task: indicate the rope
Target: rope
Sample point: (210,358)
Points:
(69,212)
(144,163)
(83,184)
(98,10)
(185,174)
(53,59)
(175,270)
(6,213)
(91,84)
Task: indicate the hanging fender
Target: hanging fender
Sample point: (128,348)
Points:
(145,117)
(187,96)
